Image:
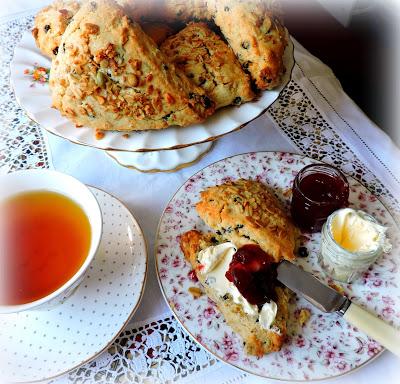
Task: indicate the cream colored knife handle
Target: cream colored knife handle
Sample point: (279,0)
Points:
(375,328)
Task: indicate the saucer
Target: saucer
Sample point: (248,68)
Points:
(41,344)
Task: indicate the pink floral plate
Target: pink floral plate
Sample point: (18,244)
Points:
(326,346)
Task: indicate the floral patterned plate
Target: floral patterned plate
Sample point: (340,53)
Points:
(326,346)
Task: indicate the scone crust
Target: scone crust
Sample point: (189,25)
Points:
(257,340)
(51,23)
(210,63)
(245,211)
(109,75)
(257,37)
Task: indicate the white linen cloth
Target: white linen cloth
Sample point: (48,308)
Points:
(147,194)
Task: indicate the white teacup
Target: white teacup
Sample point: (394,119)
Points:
(46,180)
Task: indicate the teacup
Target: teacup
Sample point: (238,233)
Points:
(27,181)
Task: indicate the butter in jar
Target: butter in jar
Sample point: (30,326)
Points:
(351,240)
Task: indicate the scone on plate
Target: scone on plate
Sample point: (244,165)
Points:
(262,326)
(109,75)
(246,212)
(210,63)
(51,23)
(237,265)
(256,35)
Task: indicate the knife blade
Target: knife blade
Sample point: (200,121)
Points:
(328,300)
(323,297)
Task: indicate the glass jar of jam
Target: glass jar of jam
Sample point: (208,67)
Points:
(318,190)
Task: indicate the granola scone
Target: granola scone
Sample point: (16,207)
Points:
(257,340)
(50,25)
(256,35)
(211,64)
(109,75)
(51,21)
(246,212)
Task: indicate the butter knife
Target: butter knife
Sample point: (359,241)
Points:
(328,300)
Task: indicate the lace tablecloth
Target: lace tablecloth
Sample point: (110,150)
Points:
(312,116)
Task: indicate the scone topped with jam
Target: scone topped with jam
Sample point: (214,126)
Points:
(237,265)
(109,75)
(210,63)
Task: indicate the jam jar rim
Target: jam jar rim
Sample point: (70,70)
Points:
(331,168)
(366,254)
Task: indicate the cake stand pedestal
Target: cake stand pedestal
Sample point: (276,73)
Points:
(161,161)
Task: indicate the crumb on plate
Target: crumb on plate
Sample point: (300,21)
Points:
(304,316)
(336,287)
(99,135)
(195,292)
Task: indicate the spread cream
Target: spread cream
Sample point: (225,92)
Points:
(215,262)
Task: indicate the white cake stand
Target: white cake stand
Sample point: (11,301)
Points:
(162,150)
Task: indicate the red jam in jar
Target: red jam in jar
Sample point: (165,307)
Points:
(318,190)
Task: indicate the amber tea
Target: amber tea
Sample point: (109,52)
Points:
(44,238)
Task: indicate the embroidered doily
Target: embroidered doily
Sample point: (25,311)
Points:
(158,350)
(301,121)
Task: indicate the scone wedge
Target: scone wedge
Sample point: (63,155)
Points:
(51,23)
(109,75)
(246,212)
(257,340)
(256,35)
(210,63)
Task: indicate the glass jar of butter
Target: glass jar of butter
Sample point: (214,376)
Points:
(351,240)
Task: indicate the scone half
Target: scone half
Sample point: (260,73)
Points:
(247,212)
(257,340)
